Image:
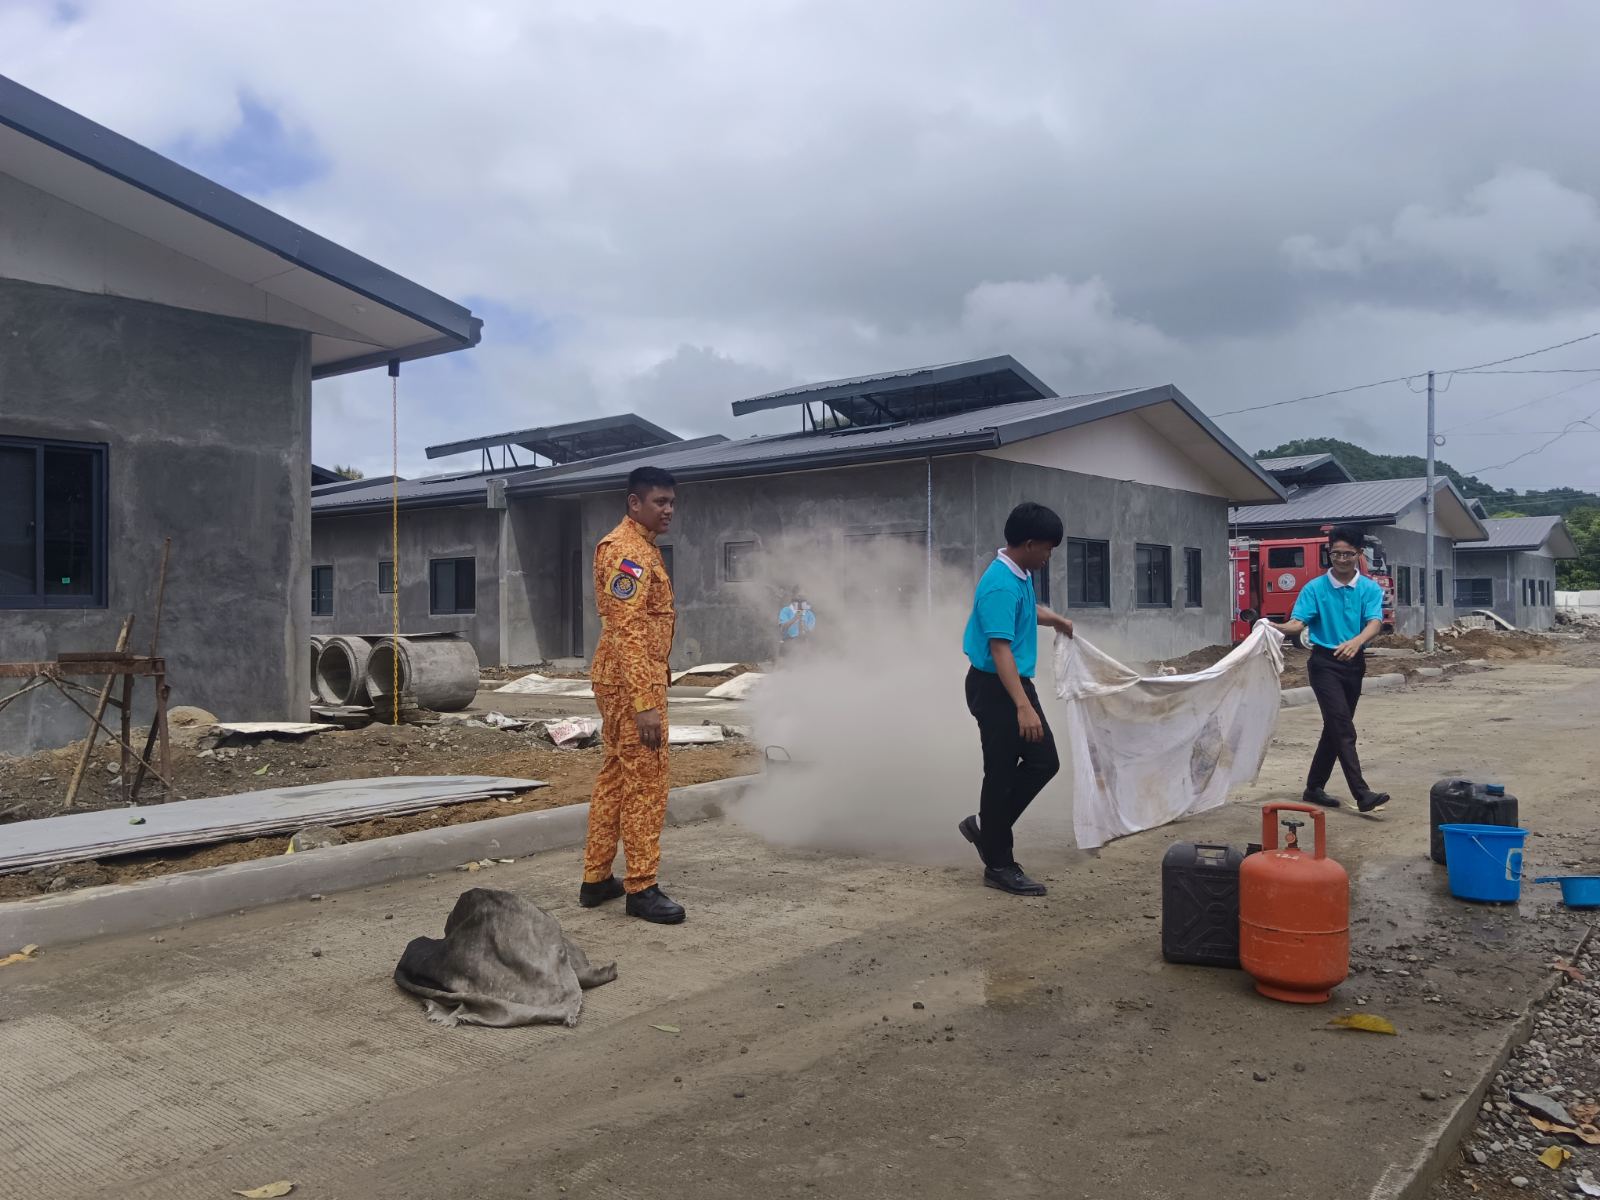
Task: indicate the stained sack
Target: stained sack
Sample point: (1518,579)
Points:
(1147,750)
(503,961)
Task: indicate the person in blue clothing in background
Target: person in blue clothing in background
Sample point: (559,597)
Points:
(1002,646)
(797,621)
(1339,612)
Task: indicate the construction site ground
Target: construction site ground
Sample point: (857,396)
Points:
(35,786)
(827,1025)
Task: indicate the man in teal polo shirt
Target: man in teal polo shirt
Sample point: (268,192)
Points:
(1340,612)
(1002,646)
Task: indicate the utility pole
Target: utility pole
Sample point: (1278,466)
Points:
(1428,578)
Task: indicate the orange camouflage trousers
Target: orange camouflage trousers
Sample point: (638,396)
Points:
(630,796)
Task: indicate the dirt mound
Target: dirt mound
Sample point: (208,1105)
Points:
(1498,643)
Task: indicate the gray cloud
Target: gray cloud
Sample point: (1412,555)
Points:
(714,198)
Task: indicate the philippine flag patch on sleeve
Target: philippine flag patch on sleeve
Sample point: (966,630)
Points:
(629,567)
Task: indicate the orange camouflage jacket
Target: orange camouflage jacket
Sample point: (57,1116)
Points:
(637,617)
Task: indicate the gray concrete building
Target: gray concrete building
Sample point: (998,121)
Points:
(1391,511)
(159,336)
(893,493)
(1513,571)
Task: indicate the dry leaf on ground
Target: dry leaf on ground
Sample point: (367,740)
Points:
(22,955)
(270,1192)
(1365,1022)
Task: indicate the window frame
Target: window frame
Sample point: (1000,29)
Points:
(665,550)
(1402,586)
(1438,587)
(1193,577)
(1082,546)
(1140,571)
(322,612)
(454,561)
(734,547)
(1476,588)
(390,590)
(99,514)
(1286,558)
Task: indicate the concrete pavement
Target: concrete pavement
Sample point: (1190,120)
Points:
(1054,1054)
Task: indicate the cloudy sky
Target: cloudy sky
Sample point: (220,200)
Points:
(666,207)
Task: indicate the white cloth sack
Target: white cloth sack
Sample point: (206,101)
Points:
(1147,750)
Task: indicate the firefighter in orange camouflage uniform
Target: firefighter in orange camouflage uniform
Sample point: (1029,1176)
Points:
(630,676)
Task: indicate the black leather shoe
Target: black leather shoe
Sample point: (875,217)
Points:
(1372,801)
(1318,796)
(1012,879)
(969,830)
(653,904)
(593,895)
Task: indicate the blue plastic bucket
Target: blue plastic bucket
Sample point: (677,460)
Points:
(1577,891)
(1485,862)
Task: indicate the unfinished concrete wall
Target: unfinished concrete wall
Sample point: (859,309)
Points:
(1123,514)
(1521,581)
(1408,549)
(354,546)
(207,424)
(813,530)
(858,536)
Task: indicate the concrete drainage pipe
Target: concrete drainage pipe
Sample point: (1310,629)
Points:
(342,669)
(440,674)
(317,643)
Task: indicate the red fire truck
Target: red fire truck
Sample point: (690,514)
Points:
(1269,573)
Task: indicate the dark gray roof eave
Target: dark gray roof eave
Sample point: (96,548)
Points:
(695,473)
(73,134)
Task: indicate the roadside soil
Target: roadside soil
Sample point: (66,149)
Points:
(34,786)
(1500,1157)
(1450,649)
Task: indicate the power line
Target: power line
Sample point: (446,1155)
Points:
(1571,426)
(1525,404)
(1360,387)
(1406,379)
(1539,371)
(1519,357)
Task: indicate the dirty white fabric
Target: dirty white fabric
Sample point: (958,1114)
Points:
(1147,750)
(502,961)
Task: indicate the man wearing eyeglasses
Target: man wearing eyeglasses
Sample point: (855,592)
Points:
(1339,612)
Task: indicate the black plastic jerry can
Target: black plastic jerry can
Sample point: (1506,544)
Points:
(1200,903)
(1462,802)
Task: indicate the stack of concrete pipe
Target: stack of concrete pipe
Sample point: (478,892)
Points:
(437,673)
(317,643)
(341,676)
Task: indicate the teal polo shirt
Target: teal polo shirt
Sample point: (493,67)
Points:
(1005,608)
(1334,613)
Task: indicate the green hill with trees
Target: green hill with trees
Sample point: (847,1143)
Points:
(1580,509)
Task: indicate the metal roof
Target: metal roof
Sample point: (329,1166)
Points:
(966,432)
(1307,469)
(1295,462)
(321,475)
(572,442)
(359,314)
(1527,533)
(1375,502)
(912,395)
(460,488)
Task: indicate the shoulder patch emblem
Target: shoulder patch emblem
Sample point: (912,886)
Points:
(629,567)
(624,587)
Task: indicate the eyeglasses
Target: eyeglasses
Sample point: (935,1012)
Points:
(1343,554)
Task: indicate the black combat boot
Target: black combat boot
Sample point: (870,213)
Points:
(593,895)
(653,904)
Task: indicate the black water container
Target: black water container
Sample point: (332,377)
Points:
(1200,904)
(1462,802)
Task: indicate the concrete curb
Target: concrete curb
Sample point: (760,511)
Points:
(1297,697)
(209,892)
(1428,1166)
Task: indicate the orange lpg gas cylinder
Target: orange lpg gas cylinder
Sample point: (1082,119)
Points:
(1294,913)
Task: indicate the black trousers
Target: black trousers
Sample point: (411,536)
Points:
(1338,689)
(1014,771)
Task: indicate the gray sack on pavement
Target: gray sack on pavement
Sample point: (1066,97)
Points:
(503,961)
